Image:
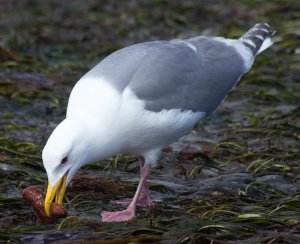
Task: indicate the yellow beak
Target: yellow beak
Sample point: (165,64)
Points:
(58,190)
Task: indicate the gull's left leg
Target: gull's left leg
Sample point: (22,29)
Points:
(128,213)
(144,199)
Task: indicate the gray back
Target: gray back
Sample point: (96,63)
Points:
(170,74)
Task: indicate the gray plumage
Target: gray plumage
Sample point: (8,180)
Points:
(194,74)
(175,76)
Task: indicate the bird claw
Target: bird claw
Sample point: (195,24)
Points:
(119,216)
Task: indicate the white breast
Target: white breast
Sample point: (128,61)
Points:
(144,130)
(95,99)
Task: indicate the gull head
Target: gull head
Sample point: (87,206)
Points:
(65,152)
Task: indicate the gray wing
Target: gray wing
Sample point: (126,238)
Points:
(119,67)
(173,75)
(170,74)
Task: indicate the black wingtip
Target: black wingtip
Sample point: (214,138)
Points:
(254,38)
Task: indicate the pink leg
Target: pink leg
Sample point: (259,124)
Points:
(144,199)
(128,213)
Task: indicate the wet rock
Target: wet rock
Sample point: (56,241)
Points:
(133,167)
(227,184)
(279,182)
(206,173)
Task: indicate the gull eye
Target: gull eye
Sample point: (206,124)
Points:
(64,160)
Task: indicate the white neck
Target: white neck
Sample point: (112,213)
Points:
(97,141)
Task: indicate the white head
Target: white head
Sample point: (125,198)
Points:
(62,152)
(62,158)
(72,144)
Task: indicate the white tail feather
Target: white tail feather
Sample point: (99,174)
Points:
(266,44)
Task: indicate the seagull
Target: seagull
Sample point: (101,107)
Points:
(142,98)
